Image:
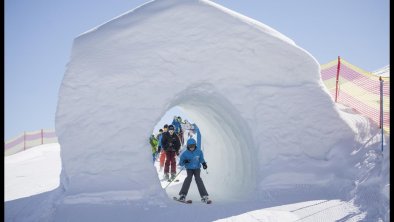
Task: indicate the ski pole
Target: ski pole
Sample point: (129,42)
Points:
(174,178)
(156,156)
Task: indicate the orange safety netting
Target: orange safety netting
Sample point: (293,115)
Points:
(358,89)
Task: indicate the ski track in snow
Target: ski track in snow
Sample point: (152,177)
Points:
(318,210)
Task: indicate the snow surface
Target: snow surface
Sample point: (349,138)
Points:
(272,135)
(32,171)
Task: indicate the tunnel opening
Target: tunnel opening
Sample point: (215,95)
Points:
(227,144)
(188,131)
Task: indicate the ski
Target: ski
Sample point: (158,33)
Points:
(183,201)
(173,180)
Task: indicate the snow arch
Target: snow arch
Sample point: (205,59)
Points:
(228,72)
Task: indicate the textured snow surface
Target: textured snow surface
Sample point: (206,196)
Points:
(255,97)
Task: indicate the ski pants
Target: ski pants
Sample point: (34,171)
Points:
(162,157)
(170,160)
(197,178)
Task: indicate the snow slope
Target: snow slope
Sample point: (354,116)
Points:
(272,135)
(32,171)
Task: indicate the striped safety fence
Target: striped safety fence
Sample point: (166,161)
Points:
(365,92)
(29,139)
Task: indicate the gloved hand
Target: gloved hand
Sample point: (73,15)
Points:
(177,153)
(186,161)
(204,165)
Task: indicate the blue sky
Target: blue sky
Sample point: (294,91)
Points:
(39,36)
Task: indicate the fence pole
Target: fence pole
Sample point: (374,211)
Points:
(24,140)
(337,80)
(42,137)
(381,108)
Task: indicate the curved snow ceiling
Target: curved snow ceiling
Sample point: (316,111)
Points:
(228,147)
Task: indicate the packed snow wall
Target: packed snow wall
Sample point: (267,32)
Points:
(254,93)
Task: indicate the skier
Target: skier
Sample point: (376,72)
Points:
(162,152)
(186,125)
(192,159)
(171,144)
(176,122)
(153,142)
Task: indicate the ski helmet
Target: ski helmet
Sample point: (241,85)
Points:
(171,127)
(191,141)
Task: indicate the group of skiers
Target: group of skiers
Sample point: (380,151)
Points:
(167,145)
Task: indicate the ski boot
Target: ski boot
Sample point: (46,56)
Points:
(205,199)
(182,197)
(166,176)
(173,175)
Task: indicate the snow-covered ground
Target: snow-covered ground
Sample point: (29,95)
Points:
(32,176)
(32,171)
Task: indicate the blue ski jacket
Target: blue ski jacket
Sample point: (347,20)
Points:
(177,126)
(196,158)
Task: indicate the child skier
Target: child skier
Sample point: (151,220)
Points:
(192,159)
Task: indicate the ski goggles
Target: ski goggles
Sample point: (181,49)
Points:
(191,146)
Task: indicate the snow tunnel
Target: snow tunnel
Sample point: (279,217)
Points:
(227,145)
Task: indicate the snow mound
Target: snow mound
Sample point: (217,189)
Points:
(256,97)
